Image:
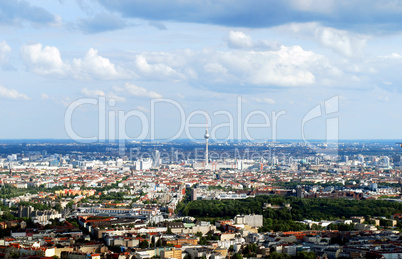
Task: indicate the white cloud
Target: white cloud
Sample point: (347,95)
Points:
(96,93)
(287,66)
(264,100)
(346,43)
(142,108)
(318,6)
(95,66)
(65,101)
(394,55)
(47,61)
(43,61)
(5,49)
(215,68)
(92,93)
(284,66)
(155,71)
(238,39)
(290,66)
(383,98)
(44,96)
(118,88)
(341,41)
(115,97)
(11,94)
(137,91)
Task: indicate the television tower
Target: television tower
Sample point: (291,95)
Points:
(206,136)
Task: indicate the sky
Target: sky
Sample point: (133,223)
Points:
(260,70)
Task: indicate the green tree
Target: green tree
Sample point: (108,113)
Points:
(276,255)
(57,207)
(169,231)
(199,234)
(143,244)
(305,255)
(203,241)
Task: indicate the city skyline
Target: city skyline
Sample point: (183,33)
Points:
(290,56)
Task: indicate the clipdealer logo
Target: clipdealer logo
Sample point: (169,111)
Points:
(328,111)
(112,124)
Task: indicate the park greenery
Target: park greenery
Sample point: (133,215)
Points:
(286,219)
(8,191)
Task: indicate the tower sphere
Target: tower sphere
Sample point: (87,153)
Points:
(206,136)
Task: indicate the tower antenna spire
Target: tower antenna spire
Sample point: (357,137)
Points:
(206,136)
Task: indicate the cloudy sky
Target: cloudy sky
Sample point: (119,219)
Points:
(159,64)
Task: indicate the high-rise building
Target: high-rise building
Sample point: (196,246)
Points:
(25,212)
(193,194)
(299,192)
(397,159)
(317,161)
(345,159)
(157,157)
(386,161)
(251,220)
(119,162)
(360,158)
